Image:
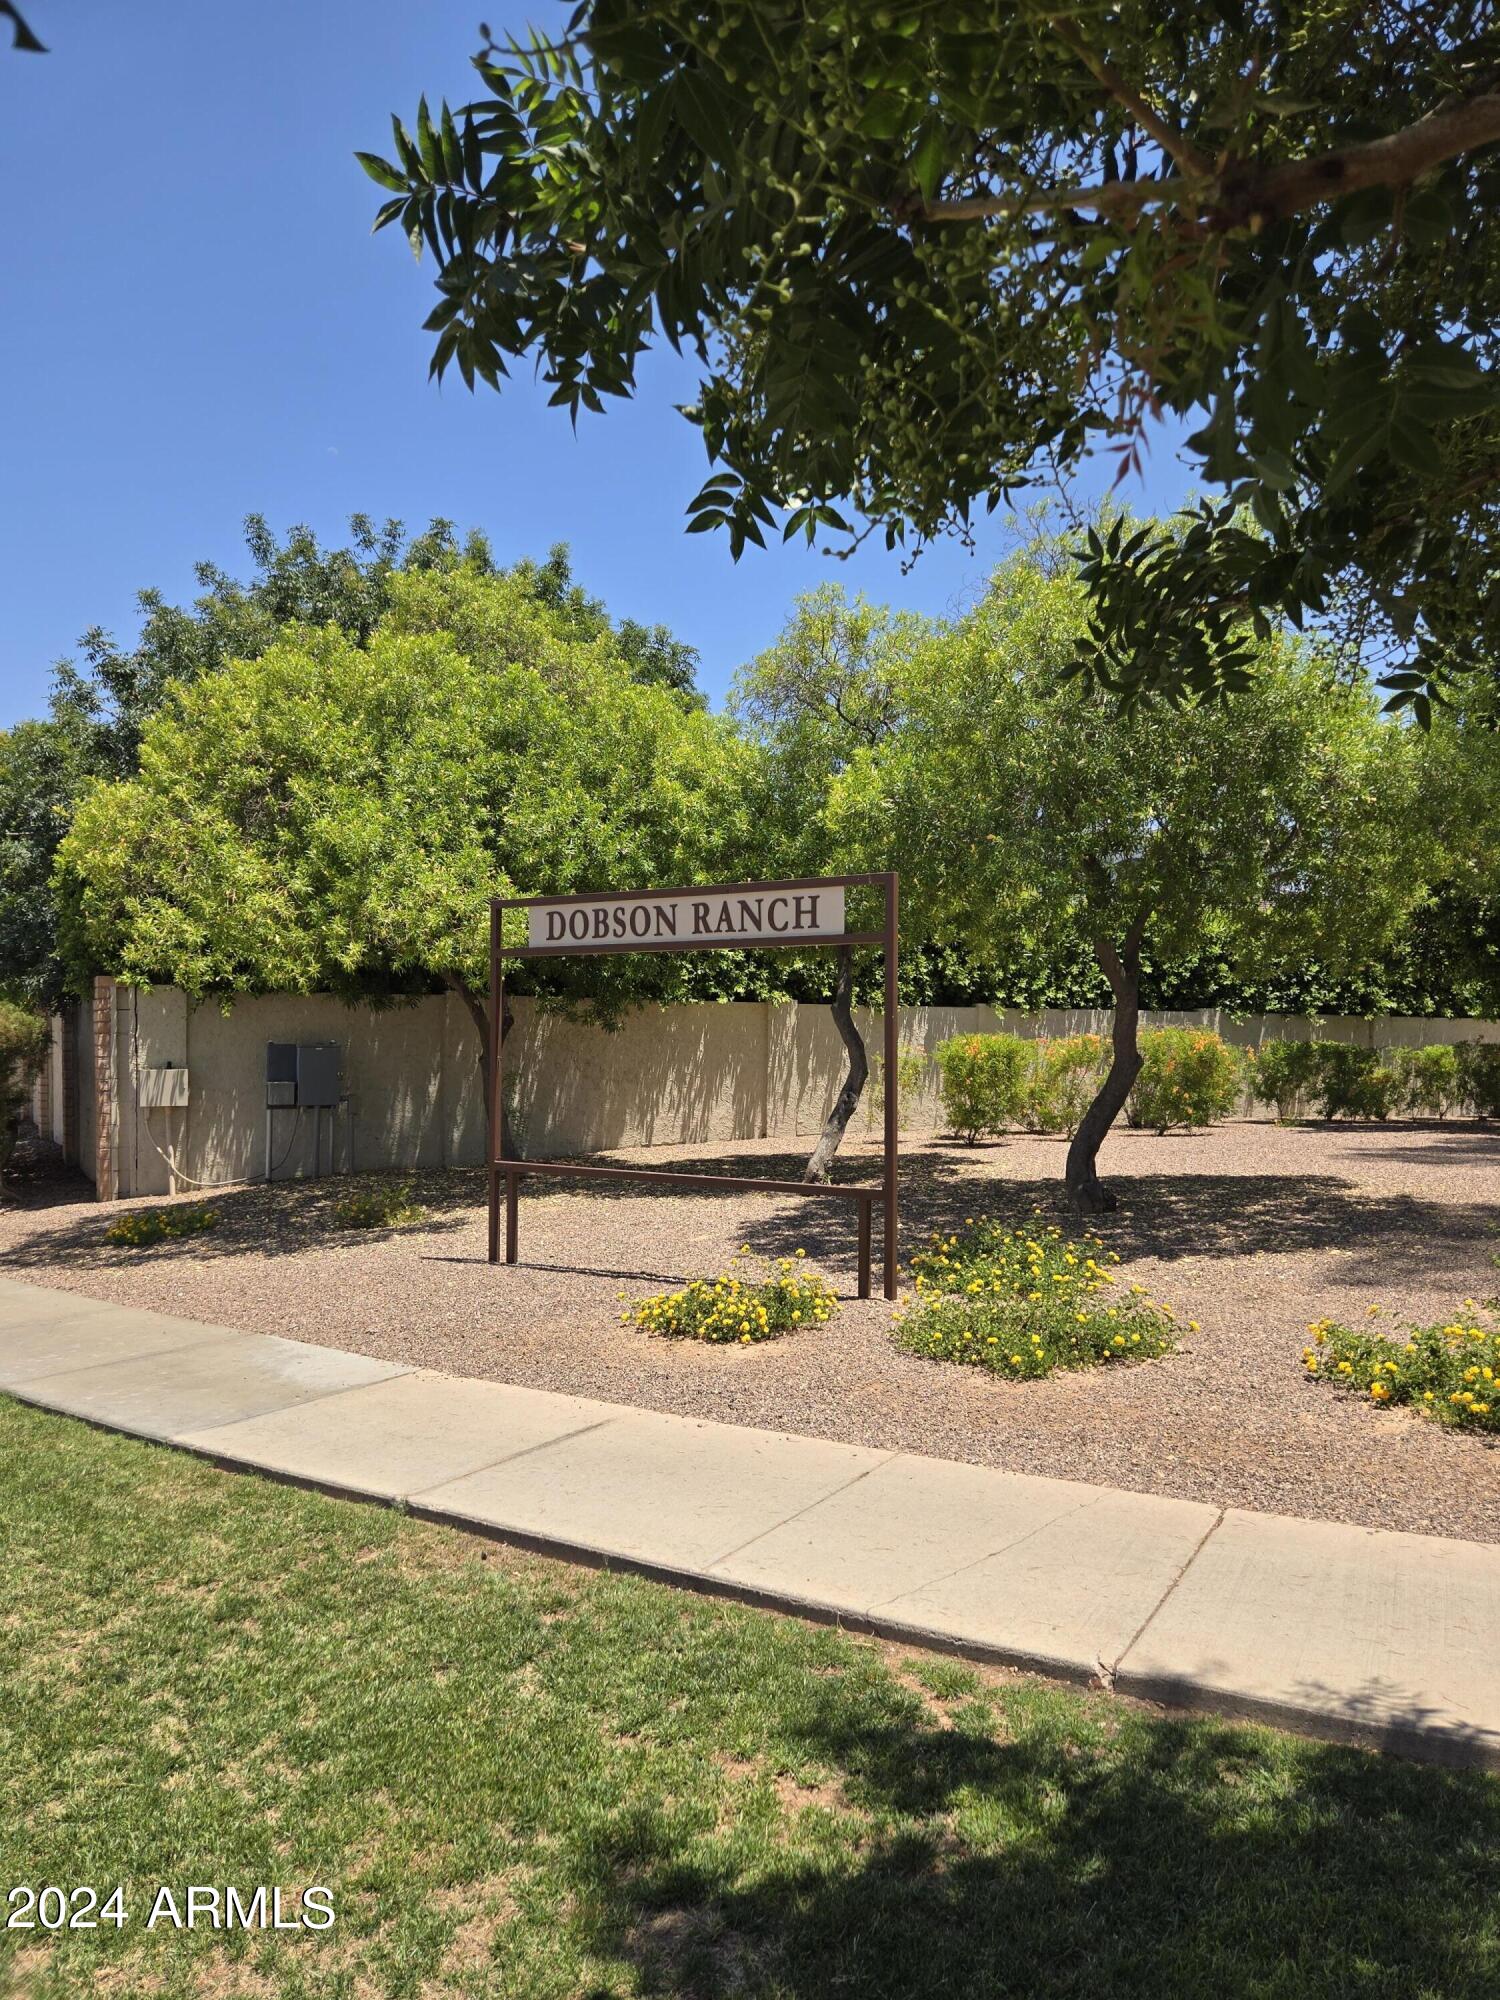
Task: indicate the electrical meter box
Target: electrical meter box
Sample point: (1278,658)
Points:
(163,1089)
(318,1073)
(302,1075)
(281,1075)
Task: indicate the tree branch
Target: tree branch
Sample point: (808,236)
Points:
(1190,162)
(1243,194)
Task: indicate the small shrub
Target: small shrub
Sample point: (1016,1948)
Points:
(1188,1076)
(1424,1081)
(739,1310)
(983,1080)
(1352,1082)
(1479,1077)
(1450,1373)
(911,1074)
(145,1226)
(25,1039)
(1063,1081)
(382,1205)
(1024,1304)
(1284,1075)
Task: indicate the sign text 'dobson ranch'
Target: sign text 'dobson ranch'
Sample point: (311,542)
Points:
(742,916)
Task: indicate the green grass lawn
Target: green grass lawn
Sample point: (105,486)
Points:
(524,1779)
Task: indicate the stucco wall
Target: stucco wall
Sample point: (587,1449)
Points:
(411,1076)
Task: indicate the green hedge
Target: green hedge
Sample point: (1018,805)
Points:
(1337,1080)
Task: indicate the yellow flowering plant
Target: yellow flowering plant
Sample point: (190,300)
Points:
(144,1226)
(739,1309)
(1450,1372)
(1024,1302)
(380,1204)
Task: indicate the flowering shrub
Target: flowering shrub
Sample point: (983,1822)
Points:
(731,1308)
(144,1226)
(1283,1074)
(1188,1076)
(1023,1304)
(1450,1373)
(983,1080)
(1062,1082)
(381,1205)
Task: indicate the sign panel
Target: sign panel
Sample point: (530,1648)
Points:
(691,919)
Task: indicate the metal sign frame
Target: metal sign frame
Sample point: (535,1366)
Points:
(510,1171)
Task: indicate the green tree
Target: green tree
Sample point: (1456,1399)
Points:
(1024,808)
(334,817)
(827,689)
(102,702)
(925,251)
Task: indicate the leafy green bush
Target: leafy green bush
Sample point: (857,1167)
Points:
(1450,1373)
(1025,1304)
(380,1205)
(983,1080)
(1425,1081)
(1479,1077)
(911,1074)
(1062,1081)
(730,1308)
(1284,1074)
(1353,1083)
(145,1226)
(25,1038)
(1188,1076)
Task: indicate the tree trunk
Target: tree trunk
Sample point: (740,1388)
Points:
(1123,970)
(847,1101)
(479,1014)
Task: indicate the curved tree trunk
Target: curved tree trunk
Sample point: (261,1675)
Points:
(1122,968)
(847,1101)
(479,1014)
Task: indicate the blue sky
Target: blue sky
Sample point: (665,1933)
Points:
(198,325)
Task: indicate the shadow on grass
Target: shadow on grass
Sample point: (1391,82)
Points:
(1169,1859)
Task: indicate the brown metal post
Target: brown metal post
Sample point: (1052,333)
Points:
(892,1066)
(492,1109)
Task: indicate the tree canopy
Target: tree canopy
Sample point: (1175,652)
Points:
(102,703)
(334,816)
(1025,812)
(928,252)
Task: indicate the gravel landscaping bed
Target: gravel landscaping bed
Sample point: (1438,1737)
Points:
(1251,1229)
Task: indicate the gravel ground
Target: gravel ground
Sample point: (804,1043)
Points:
(1252,1229)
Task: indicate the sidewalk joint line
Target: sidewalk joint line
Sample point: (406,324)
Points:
(120,1360)
(510,1457)
(1001,1549)
(797,1513)
(319,1396)
(1130,1645)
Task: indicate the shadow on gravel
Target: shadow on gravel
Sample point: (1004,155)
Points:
(291,1218)
(1388,1238)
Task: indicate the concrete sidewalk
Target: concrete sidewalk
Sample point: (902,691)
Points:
(1342,1632)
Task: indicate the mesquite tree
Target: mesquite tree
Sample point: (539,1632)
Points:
(1024,806)
(334,816)
(924,251)
(827,688)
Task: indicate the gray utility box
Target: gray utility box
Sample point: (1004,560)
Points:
(164,1088)
(302,1075)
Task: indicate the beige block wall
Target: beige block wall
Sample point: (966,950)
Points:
(668,1076)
